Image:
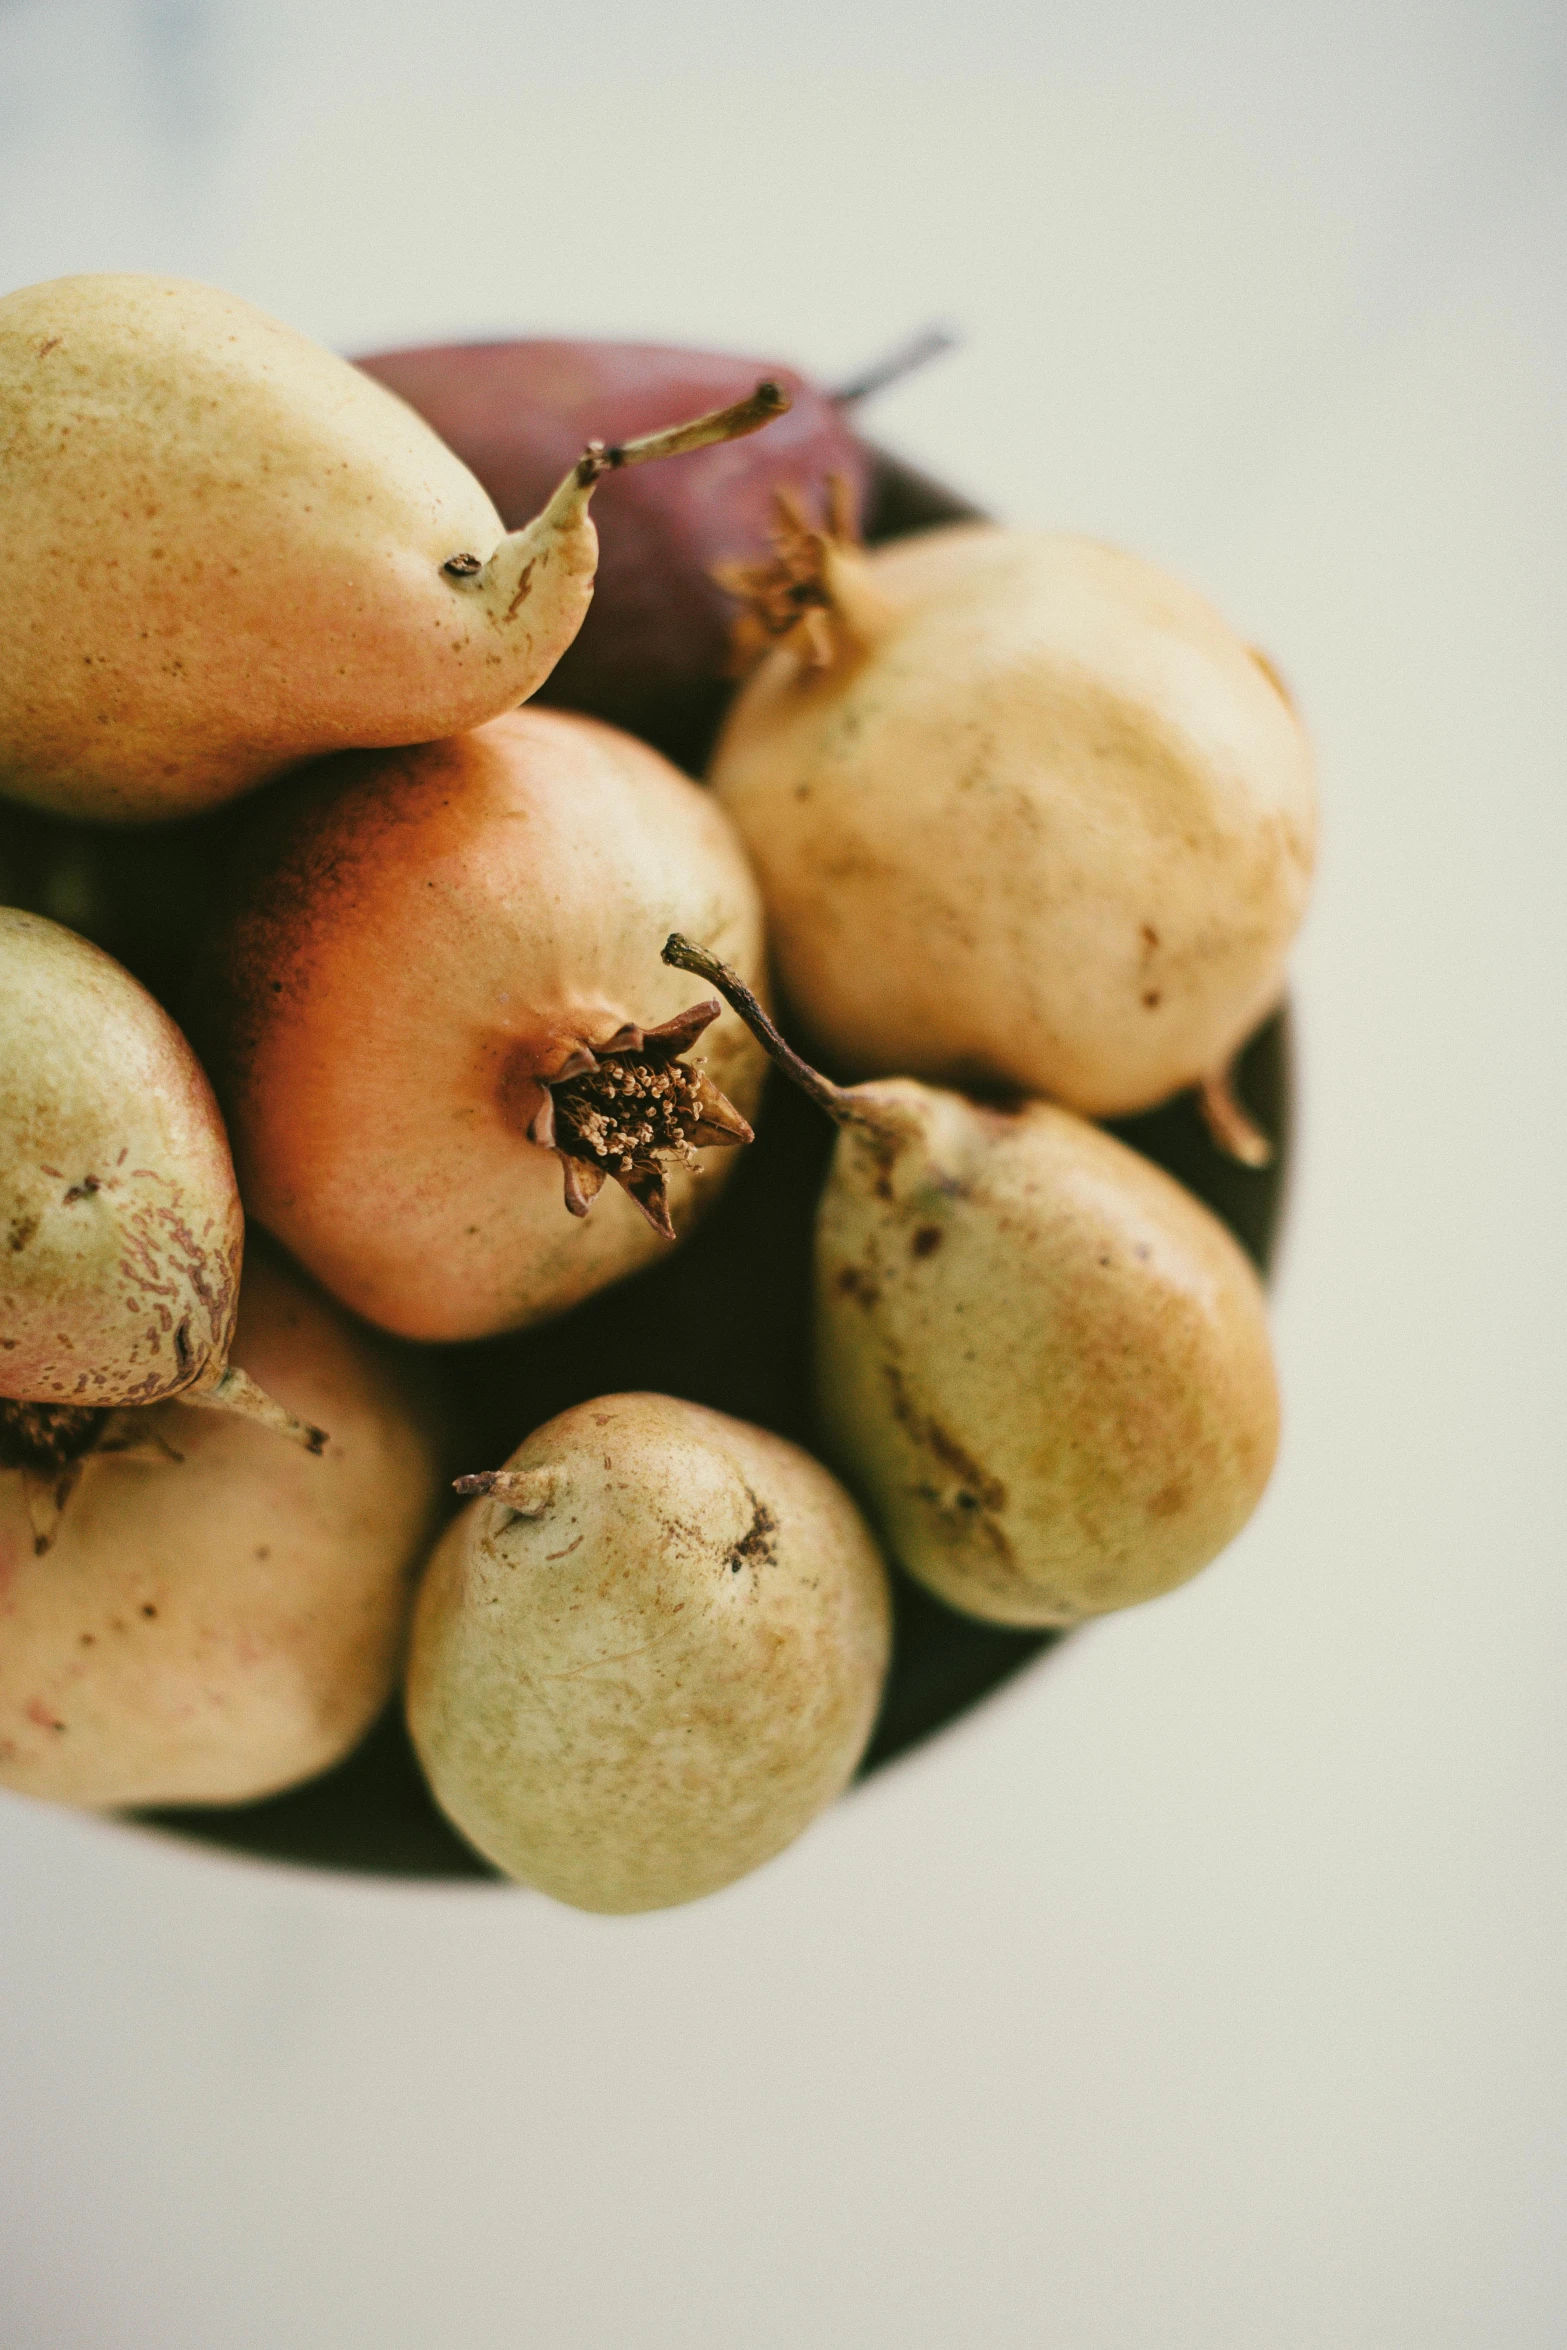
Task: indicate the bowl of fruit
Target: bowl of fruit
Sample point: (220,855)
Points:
(643,1083)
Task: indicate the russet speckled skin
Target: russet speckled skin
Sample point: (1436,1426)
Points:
(1045,821)
(221,553)
(1040,1361)
(656,1682)
(418,931)
(120,1224)
(213,1628)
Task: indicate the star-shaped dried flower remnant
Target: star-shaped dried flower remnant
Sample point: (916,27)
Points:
(51,1443)
(623,1109)
(790,592)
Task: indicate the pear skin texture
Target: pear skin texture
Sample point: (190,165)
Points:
(656,1682)
(221,552)
(414,933)
(120,1223)
(213,1628)
(1063,800)
(1041,1362)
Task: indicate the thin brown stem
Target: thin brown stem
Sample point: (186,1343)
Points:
(840,1105)
(903,359)
(720,424)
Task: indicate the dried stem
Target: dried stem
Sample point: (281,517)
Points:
(720,424)
(46,1498)
(527,1493)
(1232,1128)
(237,1392)
(565,512)
(842,1106)
(903,359)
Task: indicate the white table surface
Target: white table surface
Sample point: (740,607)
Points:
(1206,1992)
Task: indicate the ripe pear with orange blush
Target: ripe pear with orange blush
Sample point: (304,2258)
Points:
(461,1087)
(1042,1363)
(224,550)
(220,1616)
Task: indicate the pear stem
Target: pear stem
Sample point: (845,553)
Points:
(840,1105)
(720,424)
(527,1493)
(569,500)
(903,359)
(237,1392)
(1231,1128)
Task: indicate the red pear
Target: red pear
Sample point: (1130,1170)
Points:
(455,1069)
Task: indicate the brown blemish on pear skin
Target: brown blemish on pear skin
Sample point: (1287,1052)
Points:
(758,1546)
(980,1497)
(856,1282)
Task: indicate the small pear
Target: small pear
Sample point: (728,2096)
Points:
(120,1223)
(224,550)
(1042,1362)
(220,1617)
(649,1656)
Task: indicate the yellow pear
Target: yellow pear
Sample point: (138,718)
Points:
(1072,810)
(220,1616)
(647,1659)
(224,550)
(1042,1363)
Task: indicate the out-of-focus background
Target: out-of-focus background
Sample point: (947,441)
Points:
(1206,1992)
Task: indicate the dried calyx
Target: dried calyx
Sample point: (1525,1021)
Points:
(51,1444)
(622,1110)
(816,594)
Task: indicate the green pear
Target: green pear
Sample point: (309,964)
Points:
(224,550)
(647,1659)
(1042,1362)
(120,1223)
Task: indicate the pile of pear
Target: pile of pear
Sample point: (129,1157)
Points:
(1017,827)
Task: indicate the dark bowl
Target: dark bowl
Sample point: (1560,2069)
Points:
(725,1321)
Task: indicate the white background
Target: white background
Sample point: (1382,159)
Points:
(1208,1989)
